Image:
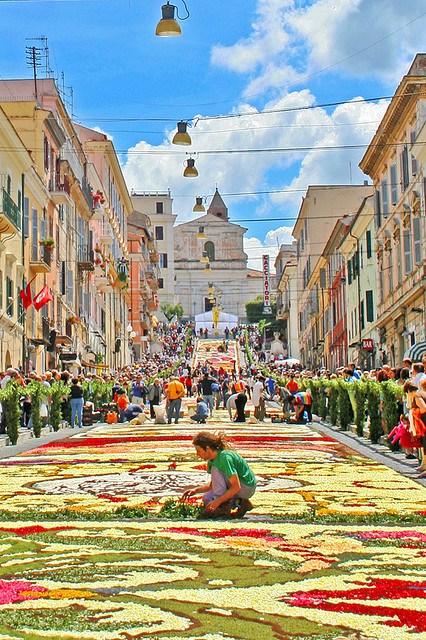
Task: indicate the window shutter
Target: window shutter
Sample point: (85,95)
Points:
(370,306)
(377,212)
(26,218)
(369,247)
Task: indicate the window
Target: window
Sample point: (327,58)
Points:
(161,283)
(9,297)
(413,159)
(46,154)
(417,240)
(404,168)
(385,197)
(349,272)
(370,305)
(361,316)
(368,241)
(377,211)
(394,183)
(63,279)
(159,233)
(163,260)
(398,262)
(159,207)
(209,249)
(390,270)
(26,218)
(408,263)
(9,184)
(34,235)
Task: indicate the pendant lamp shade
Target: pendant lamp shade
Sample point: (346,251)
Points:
(182,136)
(190,170)
(204,258)
(199,207)
(168,27)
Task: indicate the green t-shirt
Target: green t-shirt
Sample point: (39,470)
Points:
(231,464)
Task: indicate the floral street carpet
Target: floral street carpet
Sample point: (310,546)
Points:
(301,473)
(335,548)
(211,581)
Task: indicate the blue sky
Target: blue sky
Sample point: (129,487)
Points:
(243,56)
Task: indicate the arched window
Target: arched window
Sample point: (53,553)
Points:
(209,249)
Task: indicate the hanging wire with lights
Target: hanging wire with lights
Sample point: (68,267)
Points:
(168,26)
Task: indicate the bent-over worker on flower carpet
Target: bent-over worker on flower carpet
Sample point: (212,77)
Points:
(232,482)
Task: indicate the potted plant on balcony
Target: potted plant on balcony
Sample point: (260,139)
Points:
(73,319)
(48,243)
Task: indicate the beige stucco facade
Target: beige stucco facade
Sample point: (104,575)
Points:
(320,210)
(395,160)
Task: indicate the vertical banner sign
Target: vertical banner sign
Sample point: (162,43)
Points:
(266,286)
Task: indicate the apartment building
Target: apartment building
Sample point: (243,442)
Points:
(21,190)
(358,249)
(395,161)
(287,295)
(106,289)
(158,207)
(320,210)
(58,244)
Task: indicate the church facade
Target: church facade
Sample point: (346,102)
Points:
(209,253)
(199,255)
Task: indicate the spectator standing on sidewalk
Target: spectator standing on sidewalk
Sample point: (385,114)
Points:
(77,402)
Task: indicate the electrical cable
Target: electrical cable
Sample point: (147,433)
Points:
(252,114)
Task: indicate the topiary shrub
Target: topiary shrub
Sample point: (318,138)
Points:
(58,392)
(373,408)
(360,396)
(333,401)
(392,397)
(345,407)
(36,391)
(10,399)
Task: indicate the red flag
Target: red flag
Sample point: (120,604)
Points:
(43,297)
(25,295)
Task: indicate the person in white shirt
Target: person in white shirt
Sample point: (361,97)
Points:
(418,374)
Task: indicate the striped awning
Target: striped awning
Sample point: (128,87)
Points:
(416,352)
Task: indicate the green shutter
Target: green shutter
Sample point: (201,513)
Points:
(370,306)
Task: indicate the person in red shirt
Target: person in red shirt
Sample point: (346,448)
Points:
(292,385)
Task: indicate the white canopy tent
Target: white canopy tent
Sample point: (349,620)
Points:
(205,321)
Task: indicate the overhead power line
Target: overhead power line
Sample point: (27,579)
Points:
(252,114)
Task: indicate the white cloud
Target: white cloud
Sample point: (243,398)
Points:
(256,248)
(355,37)
(349,124)
(268,38)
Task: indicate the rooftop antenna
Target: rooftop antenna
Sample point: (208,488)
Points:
(33,55)
(44,50)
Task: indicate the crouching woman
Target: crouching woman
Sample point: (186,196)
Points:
(232,481)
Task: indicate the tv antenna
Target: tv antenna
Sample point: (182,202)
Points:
(33,55)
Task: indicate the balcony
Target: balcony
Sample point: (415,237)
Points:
(10,215)
(85,258)
(60,192)
(41,260)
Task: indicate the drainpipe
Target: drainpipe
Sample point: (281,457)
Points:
(24,318)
